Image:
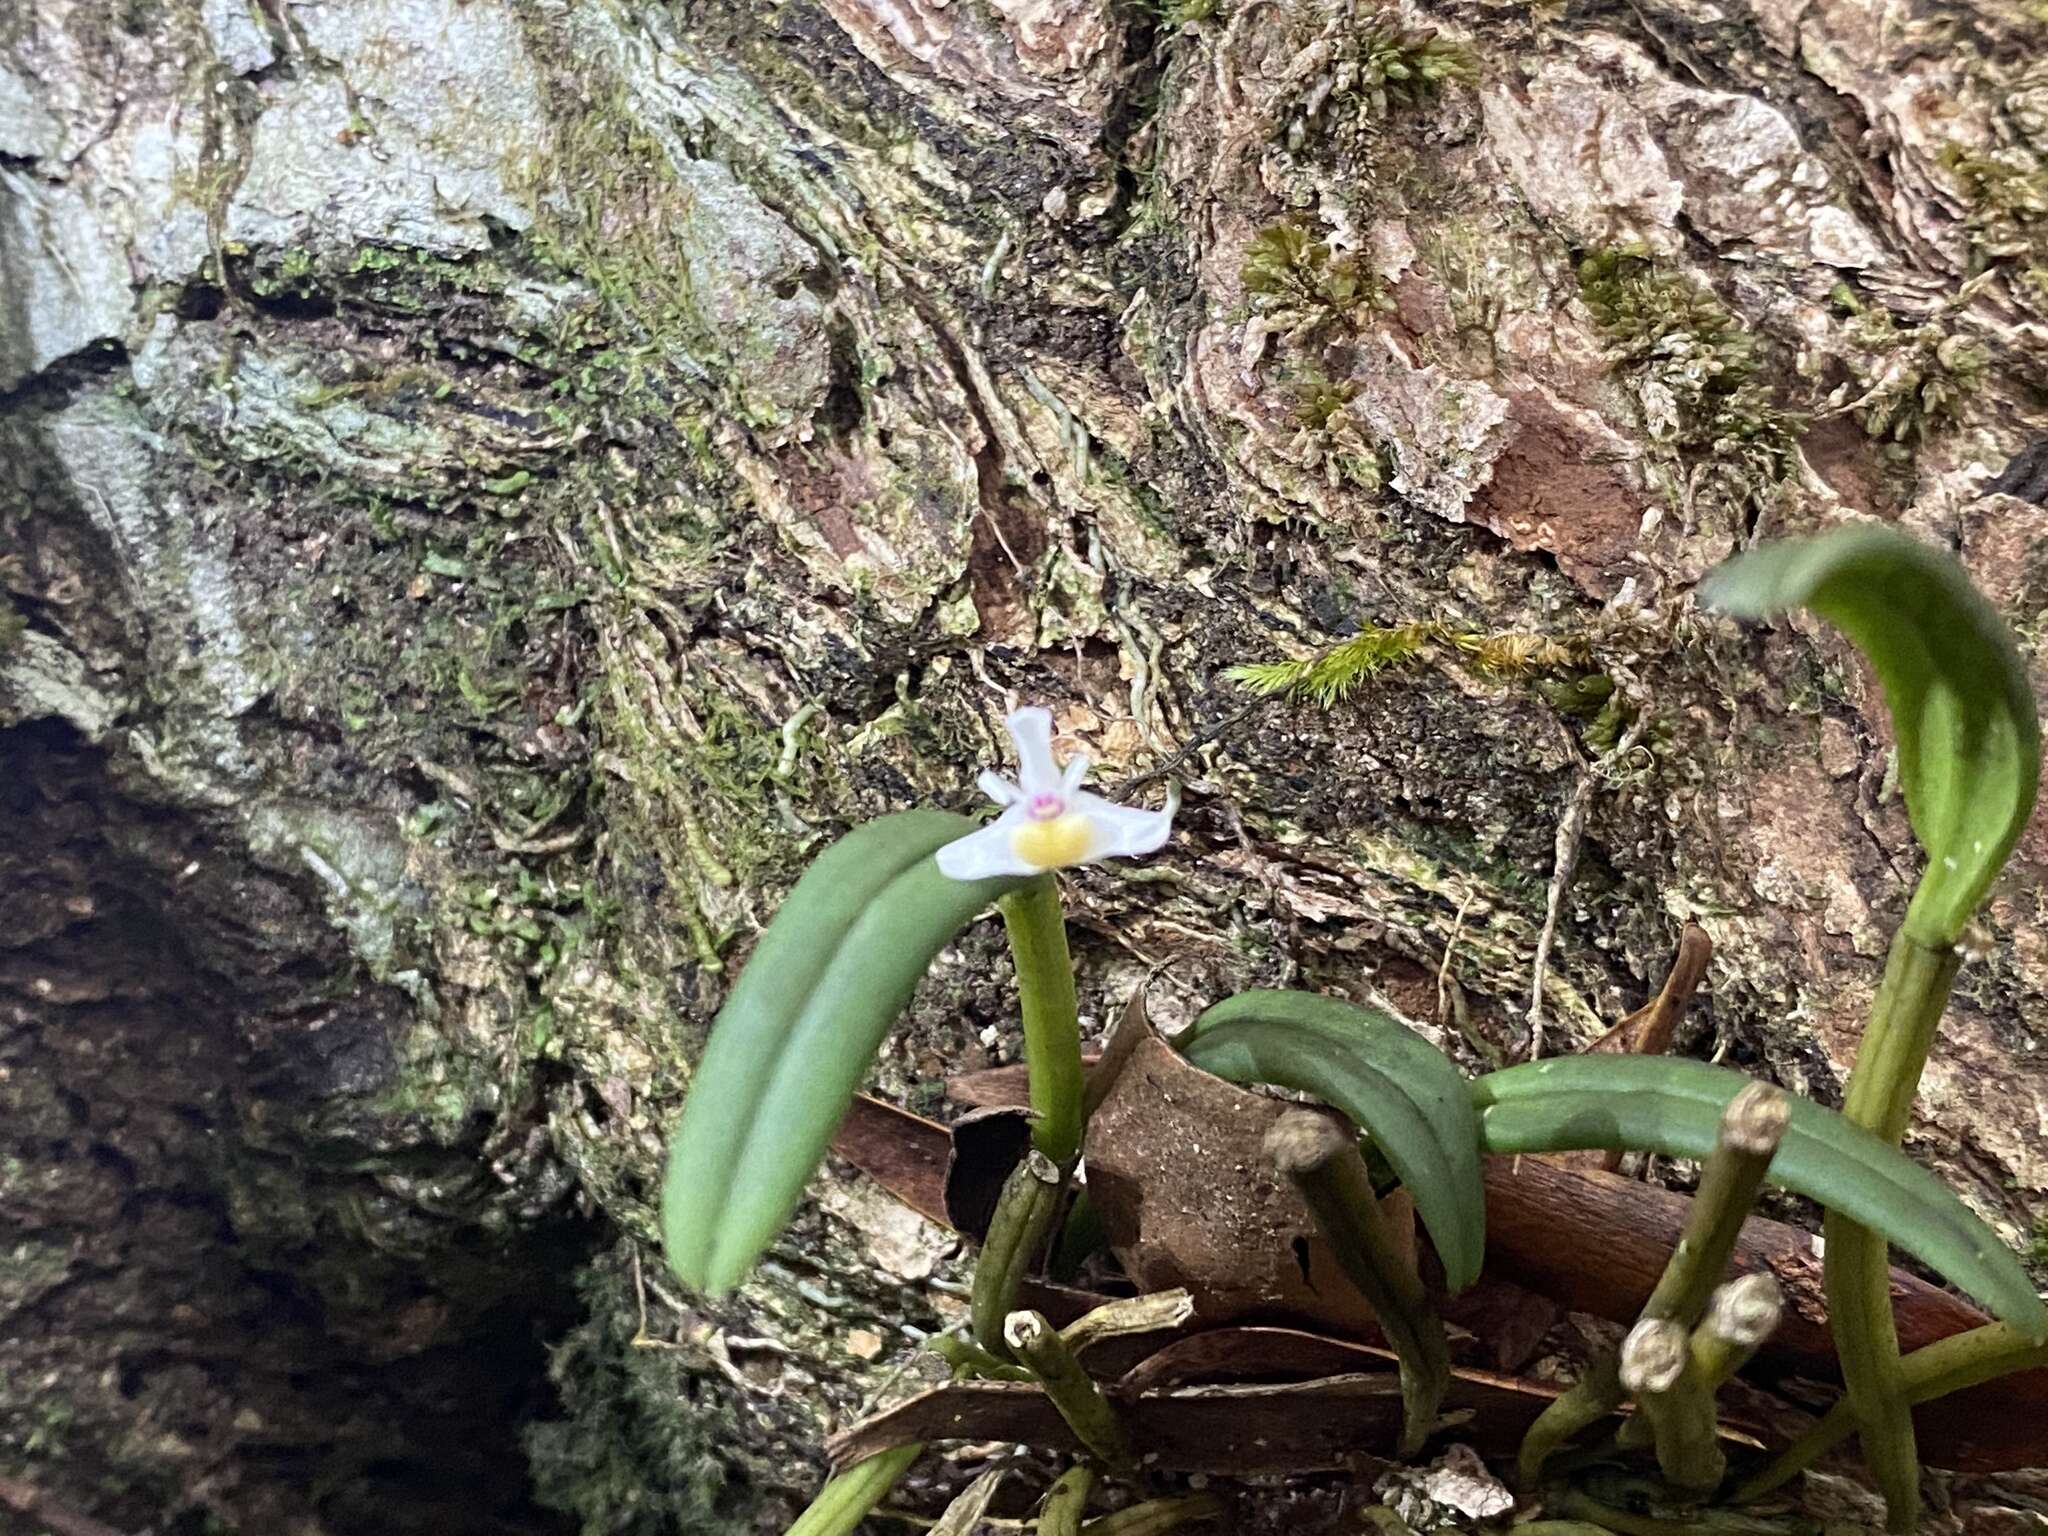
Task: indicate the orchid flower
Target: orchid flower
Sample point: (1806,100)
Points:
(1048,820)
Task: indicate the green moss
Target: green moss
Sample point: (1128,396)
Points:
(2007,193)
(1436,854)
(1910,380)
(37,1422)
(651,1441)
(474,274)
(1332,436)
(1409,66)
(283,273)
(1591,699)
(539,921)
(683,260)
(1639,305)
(1318,400)
(1288,272)
(1696,369)
(30,1268)
(1367,71)
(1333,675)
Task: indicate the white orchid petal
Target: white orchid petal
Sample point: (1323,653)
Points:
(986,854)
(1047,821)
(1031,730)
(1122,831)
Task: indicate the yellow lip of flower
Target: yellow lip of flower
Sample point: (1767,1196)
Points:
(1054,842)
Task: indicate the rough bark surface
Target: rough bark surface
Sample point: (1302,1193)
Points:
(487,487)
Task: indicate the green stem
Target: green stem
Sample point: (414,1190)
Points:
(1903,1018)
(1024,1212)
(1585,1403)
(1052,1030)
(1155,1517)
(1324,1165)
(1090,1415)
(1858,1279)
(1751,1127)
(1081,1236)
(1065,1502)
(845,1500)
(969,1360)
(1935,1370)
(1857,1270)
(1657,1369)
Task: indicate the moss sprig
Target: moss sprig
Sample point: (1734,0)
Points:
(1335,674)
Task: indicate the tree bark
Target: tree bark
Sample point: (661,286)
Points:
(492,486)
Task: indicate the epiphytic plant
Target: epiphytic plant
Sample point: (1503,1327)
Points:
(842,956)
(1969,749)
(838,964)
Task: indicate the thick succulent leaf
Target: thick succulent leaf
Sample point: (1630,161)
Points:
(1969,742)
(829,976)
(1404,1092)
(1673,1107)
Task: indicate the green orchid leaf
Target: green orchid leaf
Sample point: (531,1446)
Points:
(1961,707)
(1673,1107)
(788,1050)
(1401,1090)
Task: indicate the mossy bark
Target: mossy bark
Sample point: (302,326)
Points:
(488,487)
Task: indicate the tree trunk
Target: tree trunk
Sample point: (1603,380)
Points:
(493,486)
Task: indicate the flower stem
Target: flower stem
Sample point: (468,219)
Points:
(845,1500)
(1879,1097)
(1324,1165)
(1935,1370)
(1743,1314)
(1090,1415)
(1052,1031)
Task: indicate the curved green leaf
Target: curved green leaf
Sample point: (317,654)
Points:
(1660,1104)
(1961,707)
(789,1048)
(1405,1093)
